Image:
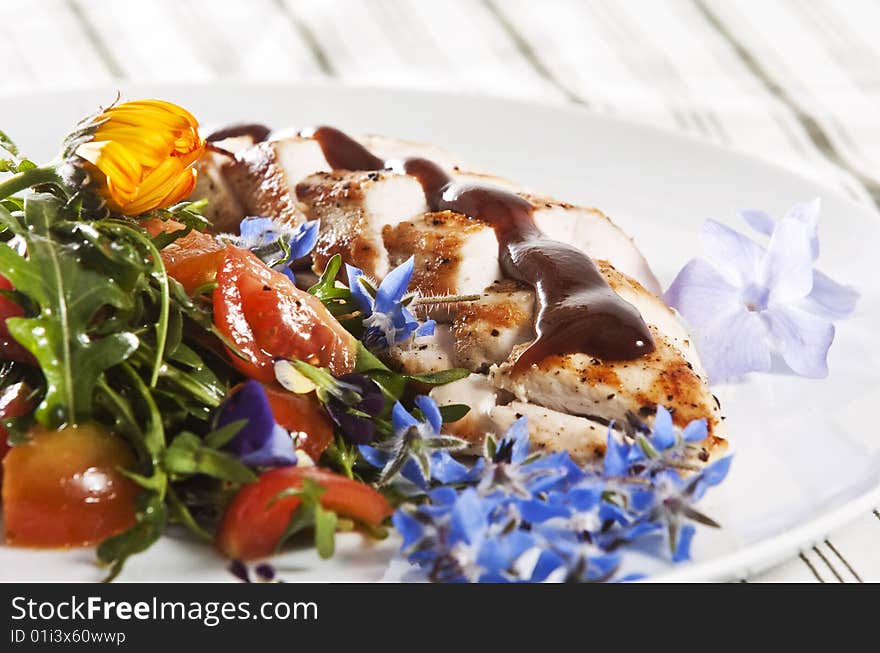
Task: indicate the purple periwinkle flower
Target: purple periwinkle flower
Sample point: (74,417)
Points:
(261,442)
(746,301)
(387,319)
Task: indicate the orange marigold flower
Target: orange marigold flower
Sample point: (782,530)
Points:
(141,153)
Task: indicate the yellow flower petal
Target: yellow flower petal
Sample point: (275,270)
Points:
(140,155)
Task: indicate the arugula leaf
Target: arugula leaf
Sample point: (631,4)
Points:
(337,299)
(140,537)
(310,513)
(187,213)
(392,383)
(69,297)
(16,163)
(187,454)
(440,378)
(453,412)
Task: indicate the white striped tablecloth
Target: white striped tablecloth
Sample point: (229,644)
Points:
(795,82)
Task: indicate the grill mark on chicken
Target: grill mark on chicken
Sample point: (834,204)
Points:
(355,208)
(261,186)
(434,274)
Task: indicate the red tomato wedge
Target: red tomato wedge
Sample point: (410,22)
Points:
(9,347)
(251,528)
(192,259)
(258,309)
(63,488)
(14,402)
(266,317)
(302,414)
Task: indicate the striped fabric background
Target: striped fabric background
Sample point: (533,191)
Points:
(793,81)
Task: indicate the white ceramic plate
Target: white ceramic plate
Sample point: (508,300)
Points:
(807,455)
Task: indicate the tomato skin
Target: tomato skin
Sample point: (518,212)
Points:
(192,259)
(250,529)
(267,317)
(9,346)
(14,402)
(229,316)
(303,414)
(62,488)
(258,309)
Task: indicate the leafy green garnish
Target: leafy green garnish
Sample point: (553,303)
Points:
(453,412)
(440,378)
(392,383)
(62,336)
(151,522)
(310,513)
(337,299)
(189,454)
(15,162)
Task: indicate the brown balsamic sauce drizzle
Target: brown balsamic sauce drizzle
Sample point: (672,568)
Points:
(256,131)
(577,309)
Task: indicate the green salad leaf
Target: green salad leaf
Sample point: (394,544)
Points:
(69,297)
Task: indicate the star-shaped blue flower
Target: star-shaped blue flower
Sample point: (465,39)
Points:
(417,449)
(387,319)
(261,235)
(508,468)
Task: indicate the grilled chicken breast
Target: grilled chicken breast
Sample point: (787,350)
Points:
(378,219)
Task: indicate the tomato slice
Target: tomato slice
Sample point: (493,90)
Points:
(251,528)
(258,309)
(9,346)
(63,488)
(14,402)
(302,414)
(192,259)
(229,316)
(267,317)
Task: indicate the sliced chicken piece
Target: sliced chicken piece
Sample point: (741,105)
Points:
(396,148)
(583,385)
(550,430)
(584,438)
(224,210)
(588,229)
(488,329)
(354,208)
(454,254)
(423,354)
(264,176)
(592,232)
(457,255)
(477,392)
(655,312)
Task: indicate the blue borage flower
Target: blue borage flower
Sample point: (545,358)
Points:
(746,301)
(276,243)
(517,517)
(387,319)
(417,450)
(261,442)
